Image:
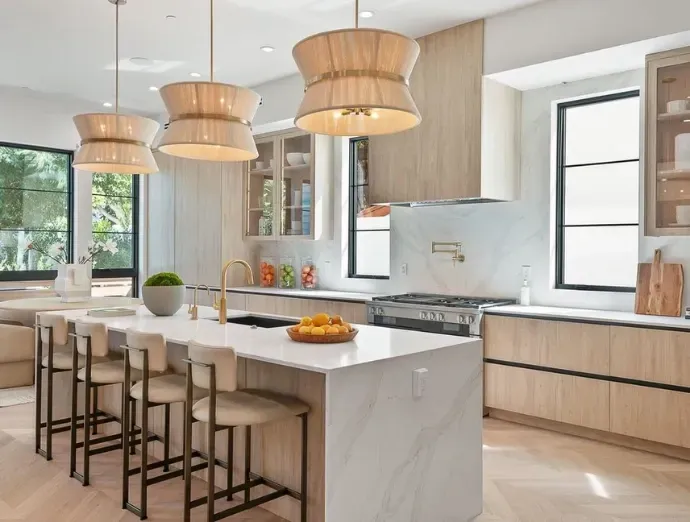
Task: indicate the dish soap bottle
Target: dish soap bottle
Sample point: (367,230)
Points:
(524,290)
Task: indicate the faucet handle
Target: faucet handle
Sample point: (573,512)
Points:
(216,304)
(189,308)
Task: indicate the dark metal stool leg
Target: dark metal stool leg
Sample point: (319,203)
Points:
(144,440)
(166,440)
(73,419)
(231,454)
(211,459)
(95,409)
(247,460)
(49,412)
(87,409)
(39,387)
(188,448)
(303,501)
(132,426)
(125,427)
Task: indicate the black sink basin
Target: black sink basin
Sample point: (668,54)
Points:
(259,321)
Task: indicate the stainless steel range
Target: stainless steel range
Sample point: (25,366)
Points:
(434,313)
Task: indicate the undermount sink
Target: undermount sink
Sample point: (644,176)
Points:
(258,321)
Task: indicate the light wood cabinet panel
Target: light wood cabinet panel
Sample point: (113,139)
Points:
(160,217)
(651,355)
(651,414)
(518,339)
(440,158)
(209,232)
(186,218)
(562,398)
(579,347)
(294,307)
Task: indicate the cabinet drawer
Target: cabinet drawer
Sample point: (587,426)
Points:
(651,355)
(293,307)
(651,414)
(517,339)
(562,398)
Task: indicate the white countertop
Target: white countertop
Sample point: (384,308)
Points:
(306,294)
(373,343)
(603,316)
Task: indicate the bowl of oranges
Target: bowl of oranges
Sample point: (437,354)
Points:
(322,328)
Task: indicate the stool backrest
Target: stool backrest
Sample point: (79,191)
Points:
(98,334)
(154,344)
(59,325)
(223,359)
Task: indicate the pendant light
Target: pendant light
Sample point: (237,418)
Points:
(208,120)
(112,142)
(356,82)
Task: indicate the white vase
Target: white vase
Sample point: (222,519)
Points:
(73,283)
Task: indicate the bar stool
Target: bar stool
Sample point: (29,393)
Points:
(147,354)
(215,369)
(51,329)
(89,354)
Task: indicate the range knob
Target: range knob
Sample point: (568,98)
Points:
(441,317)
(461,319)
(432,316)
(423,316)
(379,311)
(470,319)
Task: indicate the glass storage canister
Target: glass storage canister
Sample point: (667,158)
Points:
(308,273)
(286,273)
(267,272)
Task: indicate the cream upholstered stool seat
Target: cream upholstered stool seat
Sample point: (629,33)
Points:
(91,346)
(63,361)
(214,368)
(146,354)
(16,355)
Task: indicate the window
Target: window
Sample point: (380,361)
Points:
(369,226)
(35,209)
(115,205)
(597,187)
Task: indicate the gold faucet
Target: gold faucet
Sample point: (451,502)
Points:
(223,308)
(455,250)
(193,308)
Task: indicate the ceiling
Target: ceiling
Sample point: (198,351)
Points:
(68,47)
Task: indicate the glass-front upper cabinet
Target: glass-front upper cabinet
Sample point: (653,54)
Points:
(292,172)
(668,143)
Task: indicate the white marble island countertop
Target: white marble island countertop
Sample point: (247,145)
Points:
(373,343)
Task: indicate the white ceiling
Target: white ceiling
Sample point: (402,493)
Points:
(67,47)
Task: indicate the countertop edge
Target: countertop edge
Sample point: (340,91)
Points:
(560,315)
(278,292)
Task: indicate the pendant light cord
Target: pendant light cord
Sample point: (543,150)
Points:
(356,14)
(211,41)
(117,56)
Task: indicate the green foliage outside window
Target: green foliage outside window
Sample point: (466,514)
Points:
(112,214)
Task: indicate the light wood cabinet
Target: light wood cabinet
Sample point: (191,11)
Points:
(562,398)
(661,356)
(467,145)
(650,414)
(288,188)
(553,344)
(667,169)
(295,307)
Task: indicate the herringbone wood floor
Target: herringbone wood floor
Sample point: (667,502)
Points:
(531,475)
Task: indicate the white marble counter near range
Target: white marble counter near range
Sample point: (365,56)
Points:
(327,295)
(379,446)
(592,316)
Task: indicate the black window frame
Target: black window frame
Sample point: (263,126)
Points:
(47,275)
(132,272)
(560,187)
(352,215)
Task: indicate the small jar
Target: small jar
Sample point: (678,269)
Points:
(267,272)
(286,272)
(308,274)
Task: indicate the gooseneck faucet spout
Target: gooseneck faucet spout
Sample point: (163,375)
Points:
(223,308)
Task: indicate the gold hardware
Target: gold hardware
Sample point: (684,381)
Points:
(223,306)
(455,250)
(210,116)
(356,73)
(194,308)
(216,303)
(114,140)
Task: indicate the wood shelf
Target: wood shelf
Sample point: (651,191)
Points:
(668,174)
(296,167)
(256,209)
(262,171)
(293,207)
(673,116)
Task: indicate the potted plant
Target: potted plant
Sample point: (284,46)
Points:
(73,283)
(163,293)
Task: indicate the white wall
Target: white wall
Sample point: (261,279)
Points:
(556,29)
(280,99)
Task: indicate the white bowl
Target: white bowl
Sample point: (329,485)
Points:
(270,162)
(259,165)
(307,158)
(295,158)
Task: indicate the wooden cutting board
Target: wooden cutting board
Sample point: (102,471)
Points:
(659,289)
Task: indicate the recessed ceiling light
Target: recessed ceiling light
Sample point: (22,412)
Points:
(366,14)
(140,61)
(267,48)
(153,88)
(195,75)
(107,104)
(171,17)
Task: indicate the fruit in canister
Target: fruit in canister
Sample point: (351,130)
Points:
(287,276)
(267,274)
(308,276)
(336,319)
(304,329)
(332,330)
(317,330)
(320,319)
(305,321)
(342,329)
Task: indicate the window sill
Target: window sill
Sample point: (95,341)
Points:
(588,288)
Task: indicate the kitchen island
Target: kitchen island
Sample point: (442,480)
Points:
(381,447)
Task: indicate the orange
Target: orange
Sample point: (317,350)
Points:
(336,319)
(263,264)
(348,326)
(332,330)
(304,329)
(306,321)
(317,330)
(342,329)
(296,328)
(320,319)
